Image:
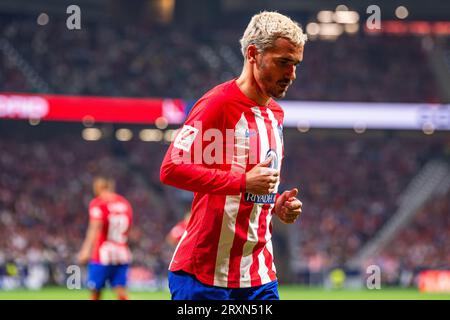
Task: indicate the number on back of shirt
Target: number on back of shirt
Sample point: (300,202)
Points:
(117,222)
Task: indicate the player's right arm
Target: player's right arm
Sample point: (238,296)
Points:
(197,177)
(193,176)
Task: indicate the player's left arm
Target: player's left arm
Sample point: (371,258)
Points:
(287,207)
(93,232)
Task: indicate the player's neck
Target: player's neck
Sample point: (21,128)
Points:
(106,194)
(250,88)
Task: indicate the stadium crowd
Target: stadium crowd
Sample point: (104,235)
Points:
(45,190)
(349,185)
(423,243)
(133,60)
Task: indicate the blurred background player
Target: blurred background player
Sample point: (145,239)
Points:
(178,230)
(105,246)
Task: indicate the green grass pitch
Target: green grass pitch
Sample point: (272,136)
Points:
(286,293)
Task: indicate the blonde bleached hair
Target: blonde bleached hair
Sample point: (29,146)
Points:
(266,27)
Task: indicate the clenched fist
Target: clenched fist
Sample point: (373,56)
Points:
(287,207)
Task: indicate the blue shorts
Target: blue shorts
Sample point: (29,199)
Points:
(185,286)
(99,274)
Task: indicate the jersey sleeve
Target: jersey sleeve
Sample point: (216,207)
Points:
(95,212)
(183,165)
(129,213)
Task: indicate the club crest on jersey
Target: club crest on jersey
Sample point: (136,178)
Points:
(265,198)
(272,153)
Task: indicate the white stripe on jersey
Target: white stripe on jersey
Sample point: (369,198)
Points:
(113,254)
(252,233)
(231,207)
(280,157)
(270,248)
(247,252)
(262,134)
(178,245)
(263,270)
(279,148)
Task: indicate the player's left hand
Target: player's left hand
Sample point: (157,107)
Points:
(287,207)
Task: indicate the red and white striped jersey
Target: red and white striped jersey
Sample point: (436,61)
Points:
(116,214)
(227,242)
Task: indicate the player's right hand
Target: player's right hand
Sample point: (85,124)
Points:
(83,257)
(261,179)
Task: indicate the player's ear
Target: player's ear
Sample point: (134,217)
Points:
(251,53)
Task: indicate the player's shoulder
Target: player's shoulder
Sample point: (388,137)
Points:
(96,202)
(215,99)
(120,198)
(220,92)
(277,110)
(96,208)
(274,106)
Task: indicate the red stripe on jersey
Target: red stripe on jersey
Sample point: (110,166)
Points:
(269,255)
(269,259)
(245,210)
(272,273)
(262,230)
(205,233)
(255,143)
(254,268)
(208,243)
(240,238)
(273,145)
(269,128)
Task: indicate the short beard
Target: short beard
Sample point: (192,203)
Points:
(278,96)
(261,67)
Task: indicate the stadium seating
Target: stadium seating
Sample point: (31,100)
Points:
(349,186)
(107,60)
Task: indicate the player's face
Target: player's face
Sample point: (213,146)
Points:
(101,185)
(97,187)
(276,67)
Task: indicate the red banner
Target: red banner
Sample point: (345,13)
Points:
(97,109)
(434,281)
(438,28)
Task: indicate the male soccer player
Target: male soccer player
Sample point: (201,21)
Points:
(229,153)
(105,246)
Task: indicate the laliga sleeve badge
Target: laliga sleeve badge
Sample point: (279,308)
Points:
(185,138)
